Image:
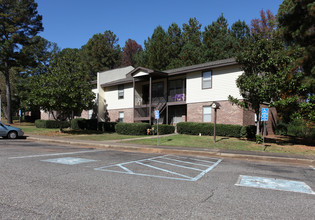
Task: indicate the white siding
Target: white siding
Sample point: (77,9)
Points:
(223,85)
(112,101)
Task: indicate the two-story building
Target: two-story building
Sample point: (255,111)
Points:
(182,94)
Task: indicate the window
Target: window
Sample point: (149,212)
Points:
(158,89)
(206,80)
(206,114)
(121,116)
(120,91)
(176,90)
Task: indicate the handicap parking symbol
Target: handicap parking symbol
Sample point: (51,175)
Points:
(264,114)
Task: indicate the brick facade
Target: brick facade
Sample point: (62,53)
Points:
(227,114)
(113,115)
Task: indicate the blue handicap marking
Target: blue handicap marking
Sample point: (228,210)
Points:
(275,184)
(157,114)
(264,114)
(265,111)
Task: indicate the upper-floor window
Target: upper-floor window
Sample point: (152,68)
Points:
(207,80)
(120,91)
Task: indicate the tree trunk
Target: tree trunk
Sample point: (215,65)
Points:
(8,94)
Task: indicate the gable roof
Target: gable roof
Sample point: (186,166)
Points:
(114,74)
(202,66)
(128,78)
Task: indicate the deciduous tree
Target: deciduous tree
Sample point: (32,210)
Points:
(129,52)
(65,88)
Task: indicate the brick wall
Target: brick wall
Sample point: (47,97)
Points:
(46,116)
(114,114)
(227,114)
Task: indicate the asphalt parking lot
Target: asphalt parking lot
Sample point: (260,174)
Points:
(49,181)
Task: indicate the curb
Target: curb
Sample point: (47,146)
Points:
(182,152)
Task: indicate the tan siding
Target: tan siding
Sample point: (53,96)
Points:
(223,85)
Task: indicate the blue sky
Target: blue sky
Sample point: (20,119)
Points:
(71,23)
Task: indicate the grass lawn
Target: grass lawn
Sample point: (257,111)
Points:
(225,143)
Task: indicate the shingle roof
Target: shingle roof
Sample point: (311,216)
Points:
(171,72)
(202,66)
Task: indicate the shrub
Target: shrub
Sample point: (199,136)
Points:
(195,128)
(78,124)
(106,126)
(228,130)
(91,124)
(84,124)
(259,139)
(281,129)
(164,129)
(299,128)
(51,124)
(132,128)
(248,131)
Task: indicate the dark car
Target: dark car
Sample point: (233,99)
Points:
(7,131)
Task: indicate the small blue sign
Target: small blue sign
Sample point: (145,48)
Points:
(264,114)
(157,114)
(20,112)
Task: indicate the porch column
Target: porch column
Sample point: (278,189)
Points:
(134,98)
(166,113)
(150,102)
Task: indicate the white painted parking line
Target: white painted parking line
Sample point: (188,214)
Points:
(167,171)
(175,165)
(184,174)
(312,167)
(57,154)
(186,162)
(275,184)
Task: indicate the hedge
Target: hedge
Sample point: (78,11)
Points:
(78,124)
(248,131)
(132,128)
(106,126)
(195,128)
(51,124)
(84,124)
(164,129)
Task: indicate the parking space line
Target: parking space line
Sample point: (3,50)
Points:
(191,168)
(186,162)
(168,171)
(206,171)
(124,168)
(139,172)
(57,154)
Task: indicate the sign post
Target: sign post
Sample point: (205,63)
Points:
(264,118)
(20,114)
(215,106)
(157,116)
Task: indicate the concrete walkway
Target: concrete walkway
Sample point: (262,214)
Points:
(119,145)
